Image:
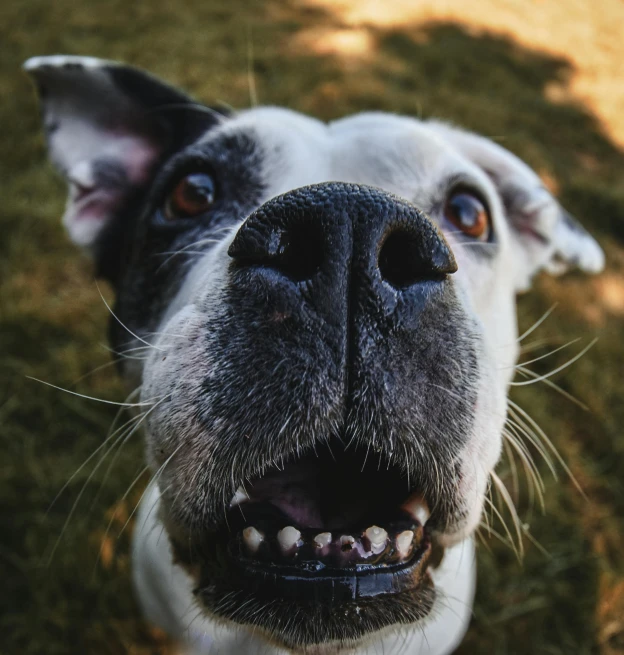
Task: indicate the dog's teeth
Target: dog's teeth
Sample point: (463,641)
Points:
(323,539)
(253,538)
(346,542)
(404,541)
(418,508)
(377,537)
(240,496)
(288,538)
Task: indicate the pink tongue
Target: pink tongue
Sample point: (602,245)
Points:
(295,492)
(304,514)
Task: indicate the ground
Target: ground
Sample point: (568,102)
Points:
(540,80)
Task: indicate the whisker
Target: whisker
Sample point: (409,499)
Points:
(112,313)
(139,419)
(155,477)
(93,454)
(93,372)
(548,354)
(536,543)
(494,533)
(539,343)
(511,542)
(527,373)
(512,508)
(70,515)
(521,429)
(99,400)
(195,244)
(558,369)
(551,446)
(79,497)
(142,472)
(514,470)
(537,323)
(535,483)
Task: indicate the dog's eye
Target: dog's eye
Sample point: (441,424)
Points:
(468,213)
(192,195)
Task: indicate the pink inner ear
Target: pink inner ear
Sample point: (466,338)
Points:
(100,183)
(136,154)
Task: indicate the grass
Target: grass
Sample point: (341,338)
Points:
(568,595)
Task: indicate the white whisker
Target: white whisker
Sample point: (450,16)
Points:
(112,313)
(537,323)
(99,400)
(558,369)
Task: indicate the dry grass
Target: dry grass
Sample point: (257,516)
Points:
(539,76)
(587,34)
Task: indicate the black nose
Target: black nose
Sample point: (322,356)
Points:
(332,228)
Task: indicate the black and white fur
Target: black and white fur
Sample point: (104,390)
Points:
(242,370)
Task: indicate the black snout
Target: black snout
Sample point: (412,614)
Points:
(319,229)
(342,313)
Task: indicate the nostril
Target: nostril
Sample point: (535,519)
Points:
(300,251)
(402,261)
(295,249)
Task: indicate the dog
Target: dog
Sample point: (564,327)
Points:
(319,321)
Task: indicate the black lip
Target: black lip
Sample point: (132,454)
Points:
(315,582)
(299,620)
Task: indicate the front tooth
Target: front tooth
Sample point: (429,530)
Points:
(346,542)
(404,541)
(418,508)
(323,539)
(377,537)
(288,537)
(240,496)
(253,538)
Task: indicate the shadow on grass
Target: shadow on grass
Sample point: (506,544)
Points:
(53,319)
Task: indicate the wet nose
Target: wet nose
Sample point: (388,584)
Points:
(336,236)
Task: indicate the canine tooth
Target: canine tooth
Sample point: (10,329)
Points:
(240,496)
(346,541)
(323,539)
(377,537)
(404,541)
(418,508)
(253,538)
(288,537)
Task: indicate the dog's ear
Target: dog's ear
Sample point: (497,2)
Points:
(108,126)
(548,238)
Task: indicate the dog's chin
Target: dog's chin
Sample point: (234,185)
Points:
(328,549)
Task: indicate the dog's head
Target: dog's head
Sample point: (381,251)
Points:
(322,322)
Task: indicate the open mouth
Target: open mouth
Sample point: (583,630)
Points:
(329,547)
(333,526)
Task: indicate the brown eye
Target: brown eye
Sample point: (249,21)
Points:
(192,195)
(468,214)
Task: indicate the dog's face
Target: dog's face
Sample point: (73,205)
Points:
(322,322)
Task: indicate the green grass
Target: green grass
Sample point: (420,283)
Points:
(52,320)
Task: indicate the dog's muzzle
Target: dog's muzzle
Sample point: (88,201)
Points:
(343,386)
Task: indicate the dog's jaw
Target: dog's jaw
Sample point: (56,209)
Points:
(167,593)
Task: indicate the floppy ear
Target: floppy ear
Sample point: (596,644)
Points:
(547,237)
(108,126)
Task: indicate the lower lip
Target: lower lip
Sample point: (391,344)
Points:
(315,582)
